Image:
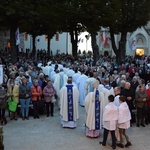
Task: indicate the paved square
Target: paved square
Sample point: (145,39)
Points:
(47,134)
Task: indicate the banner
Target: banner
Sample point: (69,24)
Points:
(1,74)
(106,41)
(103,36)
(134,43)
(17,35)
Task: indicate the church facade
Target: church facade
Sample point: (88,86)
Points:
(137,43)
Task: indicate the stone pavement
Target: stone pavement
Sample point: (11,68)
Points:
(47,134)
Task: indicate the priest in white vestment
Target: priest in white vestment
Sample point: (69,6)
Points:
(81,87)
(123,122)
(56,83)
(110,118)
(48,69)
(69,97)
(70,72)
(93,107)
(107,90)
(76,76)
(63,78)
(89,83)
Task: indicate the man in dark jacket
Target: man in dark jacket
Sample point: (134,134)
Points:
(128,92)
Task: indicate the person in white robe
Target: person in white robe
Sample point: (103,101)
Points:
(81,87)
(117,95)
(101,85)
(70,72)
(48,69)
(60,66)
(124,118)
(56,83)
(110,118)
(63,78)
(93,107)
(89,83)
(65,68)
(69,96)
(107,90)
(76,76)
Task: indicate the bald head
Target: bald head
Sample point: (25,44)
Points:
(127,85)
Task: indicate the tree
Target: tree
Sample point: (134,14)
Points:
(70,18)
(92,19)
(33,24)
(50,20)
(123,16)
(12,15)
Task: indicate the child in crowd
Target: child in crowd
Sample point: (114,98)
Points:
(110,118)
(123,121)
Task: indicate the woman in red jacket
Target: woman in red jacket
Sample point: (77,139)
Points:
(36,93)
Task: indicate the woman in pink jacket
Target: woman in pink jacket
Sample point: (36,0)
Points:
(48,92)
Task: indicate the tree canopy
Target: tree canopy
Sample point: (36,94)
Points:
(74,16)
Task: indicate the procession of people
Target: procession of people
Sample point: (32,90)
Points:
(109,93)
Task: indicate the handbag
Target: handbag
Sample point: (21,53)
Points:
(53,99)
(12,105)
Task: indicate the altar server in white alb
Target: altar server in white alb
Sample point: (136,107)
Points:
(69,97)
(123,122)
(110,118)
(93,107)
(107,90)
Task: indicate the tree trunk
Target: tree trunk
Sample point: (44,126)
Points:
(122,48)
(121,51)
(33,43)
(120,57)
(49,36)
(74,41)
(48,45)
(13,46)
(94,47)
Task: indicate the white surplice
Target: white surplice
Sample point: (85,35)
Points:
(89,84)
(106,93)
(56,82)
(81,87)
(116,100)
(110,117)
(124,116)
(75,77)
(63,79)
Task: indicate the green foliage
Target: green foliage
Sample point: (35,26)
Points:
(126,15)
(84,52)
(90,53)
(79,52)
(75,16)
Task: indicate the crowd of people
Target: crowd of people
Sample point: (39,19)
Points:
(110,92)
